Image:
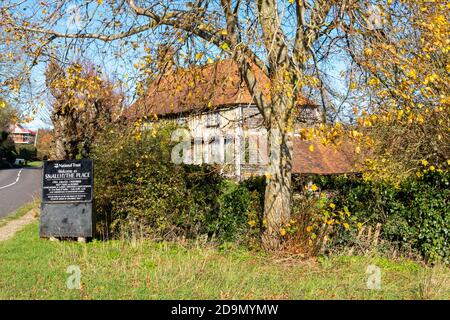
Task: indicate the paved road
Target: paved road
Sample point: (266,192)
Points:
(18,186)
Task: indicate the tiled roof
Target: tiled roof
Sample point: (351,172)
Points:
(201,87)
(19,129)
(323,160)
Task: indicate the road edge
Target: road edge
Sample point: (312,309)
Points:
(12,226)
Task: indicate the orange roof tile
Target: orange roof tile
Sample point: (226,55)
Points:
(323,160)
(185,90)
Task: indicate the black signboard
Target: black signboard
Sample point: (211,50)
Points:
(67,181)
(67,200)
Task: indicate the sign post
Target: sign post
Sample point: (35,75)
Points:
(67,199)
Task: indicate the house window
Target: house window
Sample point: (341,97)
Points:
(229,149)
(181,121)
(213,150)
(213,119)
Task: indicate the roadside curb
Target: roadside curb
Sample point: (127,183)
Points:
(12,227)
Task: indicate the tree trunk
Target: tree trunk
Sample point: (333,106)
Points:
(277,202)
(59,152)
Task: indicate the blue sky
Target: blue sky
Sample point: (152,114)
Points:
(116,68)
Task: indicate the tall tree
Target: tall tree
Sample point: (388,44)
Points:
(83,105)
(8,115)
(301,46)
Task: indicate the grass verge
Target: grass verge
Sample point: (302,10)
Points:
(23,210)
(33,268)
(36,164)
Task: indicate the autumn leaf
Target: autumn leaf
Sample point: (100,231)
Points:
(224,46)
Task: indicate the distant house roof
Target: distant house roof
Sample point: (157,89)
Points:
(18,129)
(323,160)
(197,88)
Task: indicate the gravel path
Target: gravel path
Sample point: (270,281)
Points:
(10,229)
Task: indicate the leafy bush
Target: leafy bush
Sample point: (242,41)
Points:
(142,193)
(26,152)
(7,149)
(415,214)
(240,212)
(315,221)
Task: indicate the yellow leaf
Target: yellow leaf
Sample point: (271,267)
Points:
(412,73)
(283,232)
(311,148)
(225,46)
(368,51)
(346,225)
(99,2)
(374,81)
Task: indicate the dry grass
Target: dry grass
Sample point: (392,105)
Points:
(32,268)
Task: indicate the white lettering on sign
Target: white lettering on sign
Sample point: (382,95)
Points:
(82,175)
(67,181)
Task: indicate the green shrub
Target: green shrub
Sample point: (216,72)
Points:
(26,151)
(415,214)
(7,149)
(142,193)
(239,215)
